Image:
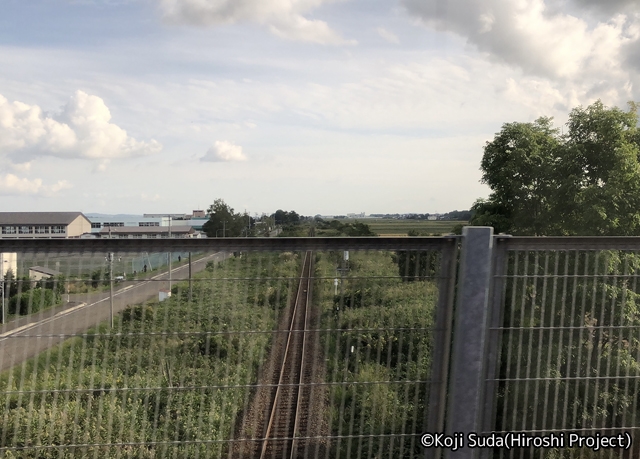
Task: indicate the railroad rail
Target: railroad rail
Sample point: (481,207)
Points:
(288,400)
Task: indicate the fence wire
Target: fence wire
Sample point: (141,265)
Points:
(569,348)
(106,356)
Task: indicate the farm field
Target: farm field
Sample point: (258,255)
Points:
(169,380)
(393,227)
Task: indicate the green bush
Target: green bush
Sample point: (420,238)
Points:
(379,352)
(33,301)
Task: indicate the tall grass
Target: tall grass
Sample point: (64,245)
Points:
(168,380)
(379,352)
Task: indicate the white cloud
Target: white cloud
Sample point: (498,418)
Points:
(21,167)
(58,186)
(543,41)
(81,130)
(13,185)
(223,151)
(388,36)
(283,17)
(101,166)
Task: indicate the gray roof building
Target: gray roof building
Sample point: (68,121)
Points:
(45,271)
(43,224)
(38,218)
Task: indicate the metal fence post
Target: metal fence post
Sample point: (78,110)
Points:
(442,343)
(494,337)
(467,360)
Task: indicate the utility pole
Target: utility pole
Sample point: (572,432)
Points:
(169,256)
(3,320)
(110,260)
(3,273)
(190,282)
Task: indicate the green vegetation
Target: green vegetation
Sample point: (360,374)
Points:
(380,353)
(570,354)
(225,222)
(572,341)
(402,227)
(324,228)
(26,296)
(583,182)
(168,380)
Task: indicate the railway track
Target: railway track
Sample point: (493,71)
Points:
(289,404)
(285,418)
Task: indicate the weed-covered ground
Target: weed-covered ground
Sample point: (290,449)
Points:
(168,381)
(379,354)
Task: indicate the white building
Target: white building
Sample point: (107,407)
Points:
(8,262)
(147,232)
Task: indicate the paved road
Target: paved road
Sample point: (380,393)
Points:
(20,340)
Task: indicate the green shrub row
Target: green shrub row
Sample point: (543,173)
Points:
(33,301)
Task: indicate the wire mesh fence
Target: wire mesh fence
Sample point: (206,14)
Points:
(99,359)
(568,341)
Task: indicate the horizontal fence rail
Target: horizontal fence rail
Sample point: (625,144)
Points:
(174,348)
(225,244)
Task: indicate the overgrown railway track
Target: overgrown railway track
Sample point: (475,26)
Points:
(279,412)
(287,408)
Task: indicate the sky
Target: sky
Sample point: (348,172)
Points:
(318,106)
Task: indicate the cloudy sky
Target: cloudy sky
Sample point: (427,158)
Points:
(320,106)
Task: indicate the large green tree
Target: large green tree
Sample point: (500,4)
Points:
(570,339)
(224,221)
(583,182)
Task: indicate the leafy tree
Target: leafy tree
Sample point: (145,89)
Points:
(100,276)
(584,182)
(9,282)
(283,217)
(223,221)
(57,284)
(518,166)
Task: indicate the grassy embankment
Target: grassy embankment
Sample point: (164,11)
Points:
(155,380)
(381,351)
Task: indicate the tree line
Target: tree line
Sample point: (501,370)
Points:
(224,221)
